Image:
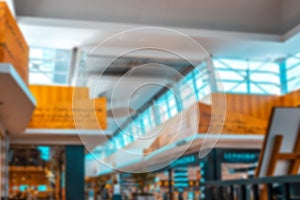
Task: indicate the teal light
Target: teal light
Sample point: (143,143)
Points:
(42,188)
(89,156)
(23,188)
(45,152)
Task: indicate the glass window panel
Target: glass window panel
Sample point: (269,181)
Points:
(189,77)
(201,83)
(227,86)
(162,109)
(172,101)
(35,53)
(267,89)
(188,102)
(41,66)
(41,78)
(293,72)
(188,81)
(241,88)
(173,111)
(256,90)
(148,122)
(272,78)
(294,84)
(186,89)
(54,61)
(135,129)
(203,92)
(235,87)
(290,62)
(231,75)
(151,116)
(263,66)
(186,93)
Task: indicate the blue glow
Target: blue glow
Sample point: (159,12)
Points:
(23,188)
(89,156)
(45,152)
(42,188)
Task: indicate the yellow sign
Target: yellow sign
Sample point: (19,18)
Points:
(60,108)
(13,47)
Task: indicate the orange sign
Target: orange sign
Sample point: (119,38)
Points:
(13,47)
(60,108)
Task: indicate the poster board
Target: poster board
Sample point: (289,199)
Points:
(56,108)
(284,121)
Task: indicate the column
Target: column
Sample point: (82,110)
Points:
(74,172)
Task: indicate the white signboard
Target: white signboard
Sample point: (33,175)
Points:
(284,121)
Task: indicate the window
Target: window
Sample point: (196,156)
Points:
(49,66)
(161,109)
(293,73)
(148,119)
(249,77)
(187,91)
(171,101)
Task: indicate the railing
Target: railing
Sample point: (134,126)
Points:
(281,188)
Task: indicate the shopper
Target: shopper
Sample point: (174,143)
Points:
(28,195)
(104,193)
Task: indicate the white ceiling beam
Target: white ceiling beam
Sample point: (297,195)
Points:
(113,28)
(67,34)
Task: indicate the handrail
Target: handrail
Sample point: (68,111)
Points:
(244,189)
(255,181)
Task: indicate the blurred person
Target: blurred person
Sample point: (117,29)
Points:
(165,195)
(180,194)
(157,193)
(35,193)
(104,192)
(98,195)
(116,191)
(28,194)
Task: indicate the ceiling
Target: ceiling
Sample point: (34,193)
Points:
(264,16)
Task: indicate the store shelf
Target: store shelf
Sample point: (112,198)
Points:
(16,101)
